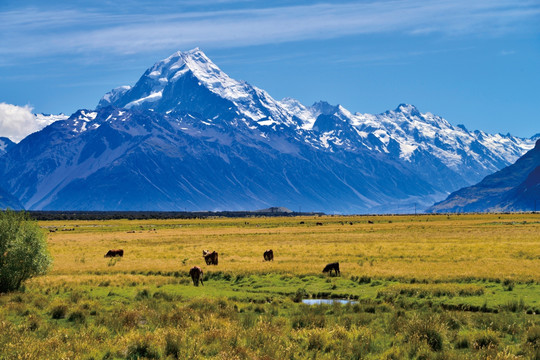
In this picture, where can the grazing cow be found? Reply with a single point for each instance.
(332, 266)
(370, 222)
(268, 255)
(211, 258)
(318, 224)
(115, 253)
(196, 274)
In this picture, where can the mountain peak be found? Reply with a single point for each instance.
(189, 58)
(190, 81)
(179, 63)
(323, 107)
(407, 109)
(165, 74)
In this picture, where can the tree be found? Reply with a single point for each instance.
(23, 250)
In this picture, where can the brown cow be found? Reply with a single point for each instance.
(318, 224)
(268, 255)
(115, 253)
(211, 258)
(332, 266)
(196, 274)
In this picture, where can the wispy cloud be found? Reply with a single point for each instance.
(37, 32)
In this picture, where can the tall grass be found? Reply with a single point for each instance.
(425, 287)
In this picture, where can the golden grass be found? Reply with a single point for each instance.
(428, 247)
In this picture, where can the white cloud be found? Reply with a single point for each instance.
(17, 122)
(43, 32)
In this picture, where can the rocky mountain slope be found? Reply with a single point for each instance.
(187, 136)
(5, 145)
(514, 188)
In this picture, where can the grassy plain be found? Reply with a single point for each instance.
(430, 286)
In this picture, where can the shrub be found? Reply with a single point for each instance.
(59, 311)
(514, 305)
(77, 317)
(428, 330)
(23, 250)
(463, 342)
(533, 337)
(142, 347)
(172, 346)
(485, 339)
(300, 294)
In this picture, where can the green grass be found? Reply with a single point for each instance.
(427, 287)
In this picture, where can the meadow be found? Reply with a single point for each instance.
(421, 287)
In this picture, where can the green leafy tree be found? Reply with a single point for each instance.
(23, 250)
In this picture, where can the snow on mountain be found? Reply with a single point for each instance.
(187, 136)
(168, 86)
(113, 95)
(400, 132)
(514, 188)
(475, 154)
(47, 119)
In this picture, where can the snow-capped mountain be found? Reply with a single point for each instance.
(190, 81)
(187, 136)
(514, 188)
(47, 119)
(186, 82)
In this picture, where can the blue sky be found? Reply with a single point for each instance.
(473, 62)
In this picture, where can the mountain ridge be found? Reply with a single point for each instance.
(513, 188)
(183, 138)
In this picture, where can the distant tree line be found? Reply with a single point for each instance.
(143, 215)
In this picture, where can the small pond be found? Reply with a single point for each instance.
(328, 301)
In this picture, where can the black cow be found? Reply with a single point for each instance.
(332, 266)
(196, 274)
(268, 255)
(115, 253)
(211, 258)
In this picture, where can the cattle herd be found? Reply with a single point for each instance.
(211, 258)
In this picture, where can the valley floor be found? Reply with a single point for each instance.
(421, 287)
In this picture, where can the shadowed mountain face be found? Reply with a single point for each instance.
(188, 137)
(5, 145)
(514, 188)
(8, 201)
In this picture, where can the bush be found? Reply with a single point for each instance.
(428, 330)
(23, 250)
(142, 348)
(77, 317)
(485, 339)
(533, 337)
(59, 311)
